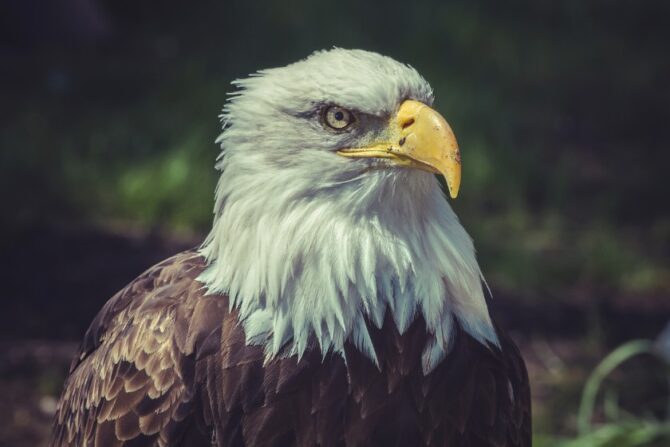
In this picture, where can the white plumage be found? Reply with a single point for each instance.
(308, 243)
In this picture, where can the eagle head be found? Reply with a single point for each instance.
(328, 212)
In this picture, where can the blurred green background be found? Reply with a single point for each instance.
(109, 111)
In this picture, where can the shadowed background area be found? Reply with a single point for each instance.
(107, 127)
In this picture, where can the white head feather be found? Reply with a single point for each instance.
(308, 244)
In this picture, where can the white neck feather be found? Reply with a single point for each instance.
(303, 267)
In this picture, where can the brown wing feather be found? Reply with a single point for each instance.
(133, 380)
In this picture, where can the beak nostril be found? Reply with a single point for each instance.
(407, 123)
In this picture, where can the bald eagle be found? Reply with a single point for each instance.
(337, 300)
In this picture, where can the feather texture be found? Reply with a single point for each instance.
(165, 364)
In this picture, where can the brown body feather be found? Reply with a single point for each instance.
(164, 364)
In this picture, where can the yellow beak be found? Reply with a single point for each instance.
(420, 138)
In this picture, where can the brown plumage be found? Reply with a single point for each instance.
(164, 364)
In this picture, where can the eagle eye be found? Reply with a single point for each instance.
(337, 117)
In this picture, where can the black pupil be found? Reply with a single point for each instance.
(339, 116)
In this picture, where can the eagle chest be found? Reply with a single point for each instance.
(172, 367)
(332, 401)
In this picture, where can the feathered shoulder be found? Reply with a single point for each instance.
(133, 378)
